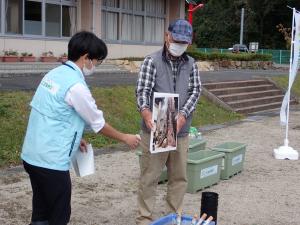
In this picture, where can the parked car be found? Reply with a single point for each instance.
(239, 48)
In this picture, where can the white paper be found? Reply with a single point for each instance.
(164, 116)
(75, 166)
(83, 162)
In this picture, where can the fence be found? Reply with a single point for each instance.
(278, 56)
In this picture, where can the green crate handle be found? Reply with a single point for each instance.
(216, 156)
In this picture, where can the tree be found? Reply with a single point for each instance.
(217, 25)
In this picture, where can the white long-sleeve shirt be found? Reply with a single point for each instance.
(80, 98)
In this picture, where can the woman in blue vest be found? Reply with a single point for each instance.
(60, 109)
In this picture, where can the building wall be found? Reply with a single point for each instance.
(86, 15)
(90, 10)
(97, 17)
(35, 46)
(176, 9)
(121, 51)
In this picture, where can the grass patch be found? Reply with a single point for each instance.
(208, 113)
(117, 103)
(283, 81)
(14, 111)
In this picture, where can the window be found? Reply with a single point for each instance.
(13, 16)
(33, 18)
(53, 20)
(111, 3)
(150, 6)
(138, 5)
(126, 27)
(138, 25)
(68, 21)
(49, 18)
(154, 29)
(127, 4)
(110, 24)
(0, 16)
(140, 20)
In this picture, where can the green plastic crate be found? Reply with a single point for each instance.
(164, 175)
(234, 158)
(203, 169)
(196, 144)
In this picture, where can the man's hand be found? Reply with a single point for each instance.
(147, 117)
(83, 145)
(132, 140)
(180, 122)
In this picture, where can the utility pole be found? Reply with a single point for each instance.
(242, 26)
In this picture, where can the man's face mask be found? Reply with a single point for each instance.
(88, 72)
(177, 49)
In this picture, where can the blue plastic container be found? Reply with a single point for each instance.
(171, 218)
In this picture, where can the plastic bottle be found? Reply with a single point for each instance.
(193, 132)
(194, 220)
(207, 222)
(178, 218)
(202, 218)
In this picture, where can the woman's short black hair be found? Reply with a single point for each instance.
(85, 42)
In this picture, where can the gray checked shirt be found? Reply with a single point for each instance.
(146, 82)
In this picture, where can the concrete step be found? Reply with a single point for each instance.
(254, 94)
(231, 90)
(255, 101)
(247, 96)
(260, 108)
(240, 83)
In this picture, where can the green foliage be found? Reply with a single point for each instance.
(208, 113)
(119, 108)
(10, 53)
(24, 54)
(133, 58)
(216, 56)
(217, 25)
(48, 54)
(14, 111)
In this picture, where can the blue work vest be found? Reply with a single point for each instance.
(54, 128)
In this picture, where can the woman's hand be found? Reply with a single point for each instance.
(83, 145)
(132, 140)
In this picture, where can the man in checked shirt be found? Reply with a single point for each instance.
(168, 70)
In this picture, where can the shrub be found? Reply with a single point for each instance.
(48, 54)
(132, 58)
(10, 53)
(26, 54)
(216, 56)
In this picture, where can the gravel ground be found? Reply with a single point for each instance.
(266, 192)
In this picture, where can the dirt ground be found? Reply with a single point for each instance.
(267, 192)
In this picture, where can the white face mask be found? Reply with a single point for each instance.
(177, 49)
(88, 72)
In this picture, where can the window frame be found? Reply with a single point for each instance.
(1, 19)
(23, 19)
(60, 22)
(120, 10)
(61, 3)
